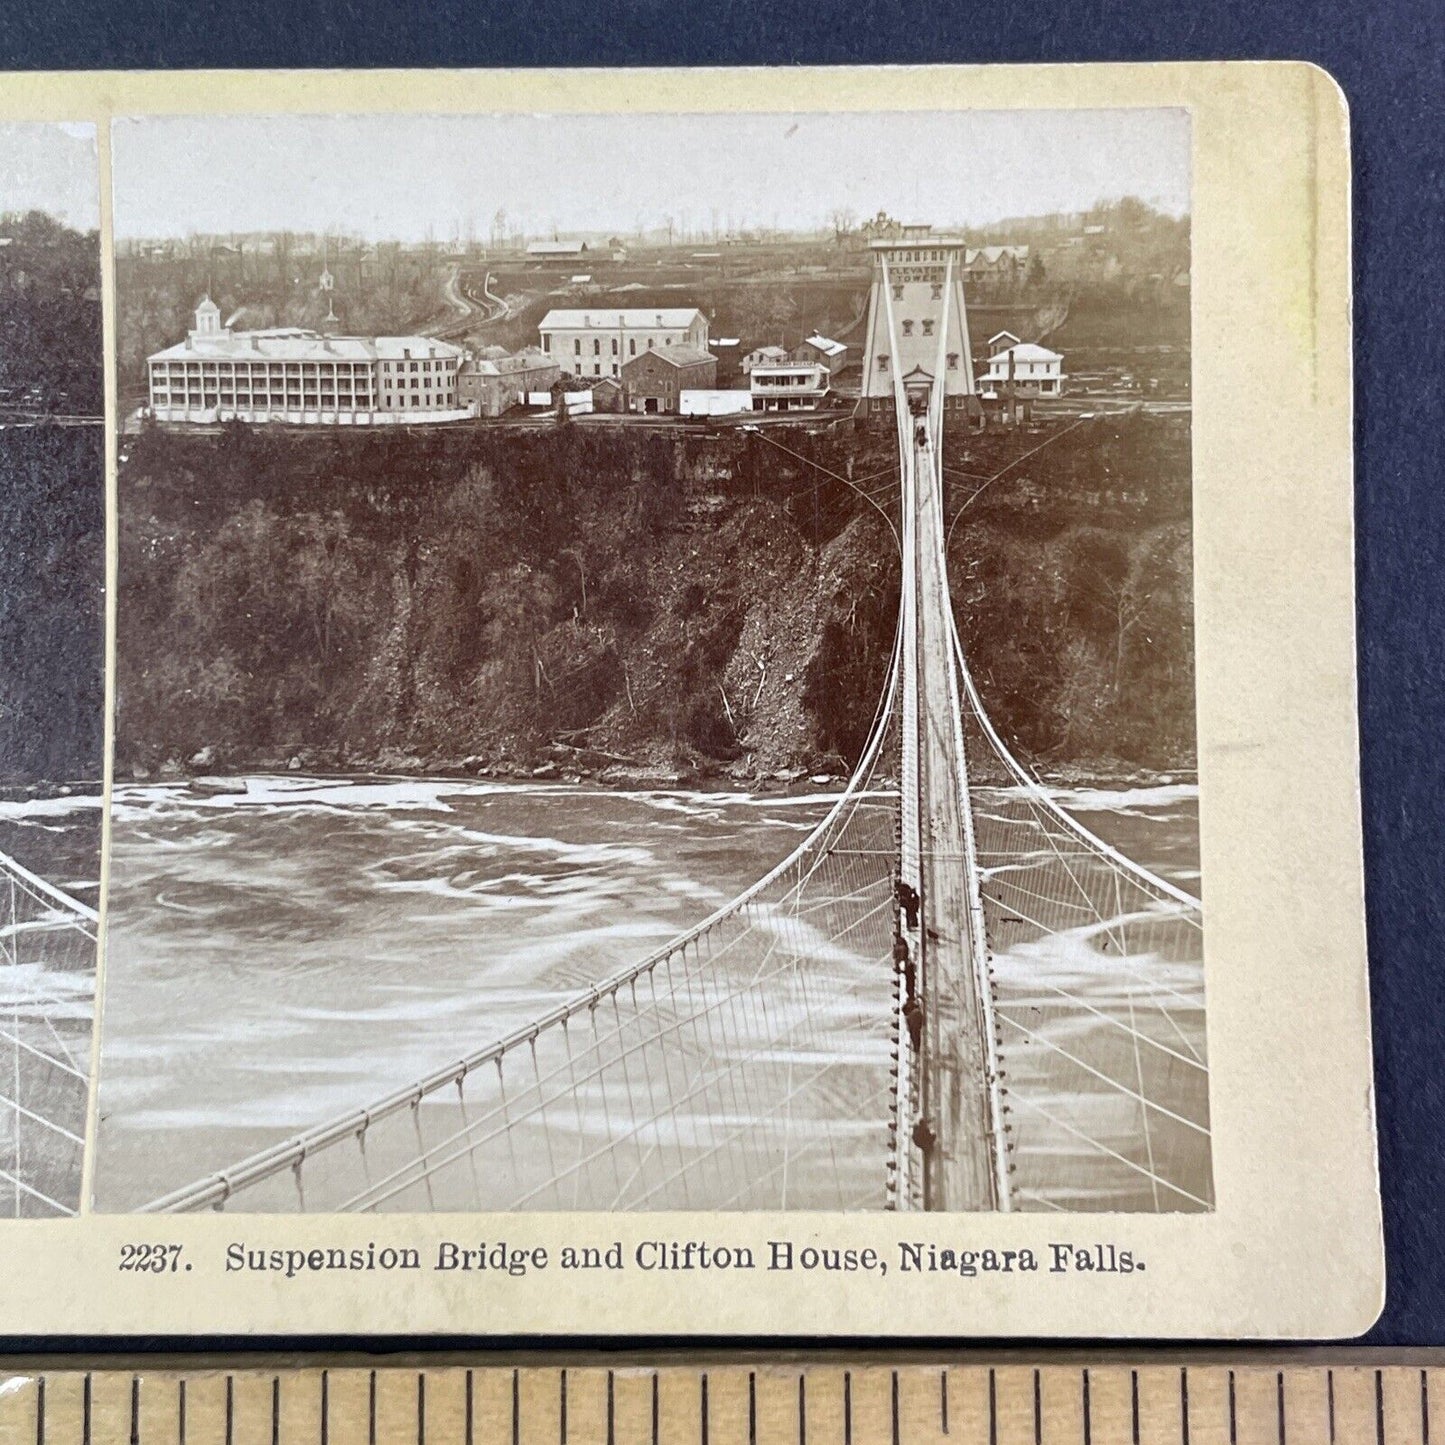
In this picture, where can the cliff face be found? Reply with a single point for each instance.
(677, 601)
(52, 585)
(52, 506)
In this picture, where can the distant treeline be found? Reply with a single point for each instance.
(690, 600)
(377, 291)
(50, 330)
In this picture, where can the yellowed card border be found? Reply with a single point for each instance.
(1293, 1249)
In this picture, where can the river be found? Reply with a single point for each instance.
(282, 949)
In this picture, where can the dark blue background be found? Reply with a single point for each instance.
(1389, 57)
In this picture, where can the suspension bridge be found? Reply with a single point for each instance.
(47, 986)
(951, 996)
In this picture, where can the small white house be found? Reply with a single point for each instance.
(765, 356)
(1025, 363)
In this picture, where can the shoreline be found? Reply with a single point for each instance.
(622, 778)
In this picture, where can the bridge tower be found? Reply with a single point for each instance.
(925, 291)
(918, 365)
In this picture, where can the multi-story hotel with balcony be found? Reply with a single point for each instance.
(288, 374)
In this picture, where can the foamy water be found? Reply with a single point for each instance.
(284, 949)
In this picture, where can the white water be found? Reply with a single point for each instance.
(293, 947)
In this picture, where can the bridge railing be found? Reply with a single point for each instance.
(745, 1064)
(1097, 975)
(47, 982)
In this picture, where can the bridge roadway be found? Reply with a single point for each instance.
(959, 1163)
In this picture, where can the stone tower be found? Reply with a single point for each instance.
(919, 276)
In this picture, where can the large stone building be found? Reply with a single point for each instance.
(493, 385)
(917, 322)
(290, 374)
(596, 342)
(654, 380)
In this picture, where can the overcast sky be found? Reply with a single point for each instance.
(404, 176)
(51, 166)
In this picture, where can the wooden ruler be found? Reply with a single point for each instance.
(1326, 1398)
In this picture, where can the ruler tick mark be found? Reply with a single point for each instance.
(943, 1400)
(847, 1408)
(703, 1407)
(1134, 1405)
(802, 1410)
(1379, 1407)
(656, 1422)
(992, 1407)
(894, 1402)
(275, 1410)
(230, 1409)
(562, 1408)
(1088, 1423)
(1184, 1405)
(40, 1411)
(1038, 1408)
(85, 1410)
(468, 1417)
(1279, 1402)
(1424, 1407)
(1330, 1399)
(181, 1414)
(135, 1410)
(517, 1407)
(420, 1408)
(1233, 1419)
(325, 1408)
(371, 1410)
(611, 1411)
(752, 1409)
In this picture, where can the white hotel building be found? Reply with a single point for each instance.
(287, 374)
(595, 343)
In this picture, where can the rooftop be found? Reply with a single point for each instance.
(826, 345)
(1026, 351)
(637, 318)
(294, 343)
(675, 355)
(913, 243)
(509, 365)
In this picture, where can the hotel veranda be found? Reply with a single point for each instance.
(287, 374)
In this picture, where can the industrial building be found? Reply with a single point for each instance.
(918, 283)
(290, 374)
(654, 380)
(556, 250)
(592, 343)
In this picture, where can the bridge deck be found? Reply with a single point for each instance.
(959, 1166)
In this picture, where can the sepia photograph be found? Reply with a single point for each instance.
(52, 655)
(654, 667)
